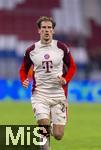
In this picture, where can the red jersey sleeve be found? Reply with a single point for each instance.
(69, 70)
(70, 67)
(26, 64)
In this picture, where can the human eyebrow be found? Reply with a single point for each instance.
(45, 27)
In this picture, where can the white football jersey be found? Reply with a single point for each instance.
(48, 63)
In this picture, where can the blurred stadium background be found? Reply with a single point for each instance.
(79, 26)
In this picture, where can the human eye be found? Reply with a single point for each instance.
(49, 27)
(43, 27)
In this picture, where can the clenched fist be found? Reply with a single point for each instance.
(26, 83)
(62, 80)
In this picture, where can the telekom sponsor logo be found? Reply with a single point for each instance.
(47, 65)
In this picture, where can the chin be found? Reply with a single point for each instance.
(47, 40)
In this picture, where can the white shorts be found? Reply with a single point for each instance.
(52, 109)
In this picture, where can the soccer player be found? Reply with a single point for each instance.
(53, 68)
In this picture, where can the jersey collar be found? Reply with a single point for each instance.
(45, 45)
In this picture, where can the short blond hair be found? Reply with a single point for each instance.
(45, 18)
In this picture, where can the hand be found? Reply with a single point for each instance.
(62, 80)
(25, 83)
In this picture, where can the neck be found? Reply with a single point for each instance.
(46, 41)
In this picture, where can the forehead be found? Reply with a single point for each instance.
(46, 23)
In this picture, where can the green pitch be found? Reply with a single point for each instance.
(82, 133)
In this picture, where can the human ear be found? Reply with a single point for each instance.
(53, 31)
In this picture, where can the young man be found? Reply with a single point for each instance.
(53, 69)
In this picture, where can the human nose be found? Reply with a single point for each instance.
(47, 30)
